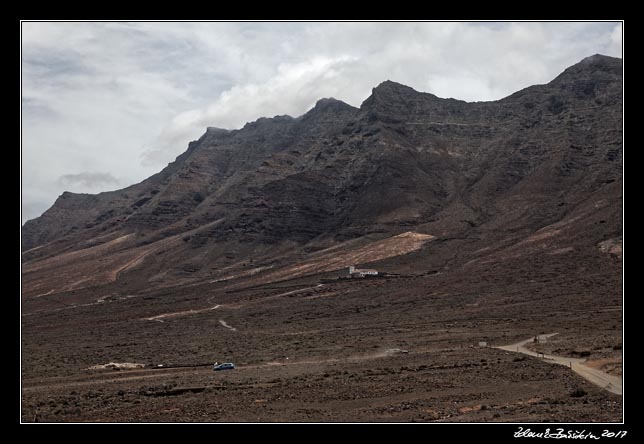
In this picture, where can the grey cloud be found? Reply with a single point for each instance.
(43, 62)
(34, 109)
(88, 180)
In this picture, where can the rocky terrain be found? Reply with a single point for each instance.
(491, 221)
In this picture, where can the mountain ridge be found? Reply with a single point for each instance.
(403, 160)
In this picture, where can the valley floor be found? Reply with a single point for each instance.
(320, 349)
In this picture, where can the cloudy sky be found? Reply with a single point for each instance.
(105, 105)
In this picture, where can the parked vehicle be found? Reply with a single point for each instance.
(224, 366)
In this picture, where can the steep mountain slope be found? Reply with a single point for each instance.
(543, 163)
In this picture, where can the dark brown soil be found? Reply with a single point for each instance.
(326, 353)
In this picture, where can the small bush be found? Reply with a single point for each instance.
(578, 393)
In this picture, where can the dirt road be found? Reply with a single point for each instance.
(134, 373)
(608, 382)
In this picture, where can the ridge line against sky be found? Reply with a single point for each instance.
(108, 104)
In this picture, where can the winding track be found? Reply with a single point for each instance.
(608, 382)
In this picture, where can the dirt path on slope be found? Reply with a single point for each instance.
(222, 322)
(608, 382)
(177, 314)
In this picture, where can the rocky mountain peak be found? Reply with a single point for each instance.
(389, 92)
(389, 86)
(339, 172)
(329, 105)
(597, 66)
(329, 102)
(600, 60)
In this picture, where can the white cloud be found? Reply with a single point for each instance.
(126, 98)
(616, 41)
(294, 89)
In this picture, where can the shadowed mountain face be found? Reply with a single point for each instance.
(540, 165)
